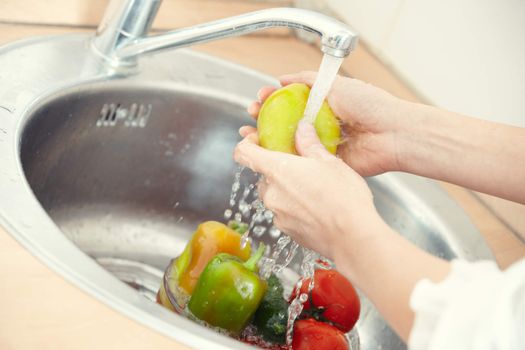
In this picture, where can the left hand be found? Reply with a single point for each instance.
(316, 198)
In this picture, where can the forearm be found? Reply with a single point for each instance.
(481, 155)
(386, 267)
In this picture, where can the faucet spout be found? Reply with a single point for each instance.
(336, 38)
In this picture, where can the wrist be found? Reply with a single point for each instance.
(403, 119)
(358, 242)
(417, 127)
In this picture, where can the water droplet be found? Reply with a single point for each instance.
(245, 208)
(274, 232)
(236, 186)
(303, 298)
(245, 239)
(268, 215)
(258, 231)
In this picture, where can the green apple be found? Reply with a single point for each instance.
(282, 111)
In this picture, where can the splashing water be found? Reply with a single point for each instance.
(245, 206)
(236, 186)
(294, 310)
(257, 218)
(308, 266)
(325, 78)
(270, 264)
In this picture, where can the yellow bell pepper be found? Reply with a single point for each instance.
(210, 239)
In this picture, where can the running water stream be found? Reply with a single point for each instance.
(325, 78)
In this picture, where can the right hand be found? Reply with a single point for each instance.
(316, 198)
(371, 119)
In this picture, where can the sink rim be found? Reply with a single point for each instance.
(35, 230)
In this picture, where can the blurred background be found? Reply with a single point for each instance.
(467, 56)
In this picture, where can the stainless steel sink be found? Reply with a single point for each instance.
(105, 175)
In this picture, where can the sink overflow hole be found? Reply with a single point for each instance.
(134, 115)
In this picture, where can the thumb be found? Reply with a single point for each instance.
(307, 142)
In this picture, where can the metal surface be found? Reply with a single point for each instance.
(122, 35)
(104, 177)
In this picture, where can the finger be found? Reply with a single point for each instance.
(250, 154)
(265, 92)
(262, 95)
(306, 77)
(254, 109)
(307, 142)
(247, 130)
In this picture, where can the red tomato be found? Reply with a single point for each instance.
(333, 299)
(310, 334)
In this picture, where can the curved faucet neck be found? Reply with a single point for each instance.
(122, 35)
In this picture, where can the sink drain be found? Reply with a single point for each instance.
(144, 278)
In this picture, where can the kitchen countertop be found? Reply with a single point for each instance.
(42, 310)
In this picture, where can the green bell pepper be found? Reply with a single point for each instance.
(228, 291)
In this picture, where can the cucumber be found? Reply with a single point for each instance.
(271, 317)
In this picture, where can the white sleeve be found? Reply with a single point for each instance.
(477, 307)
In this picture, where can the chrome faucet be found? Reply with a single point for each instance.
(123, 34)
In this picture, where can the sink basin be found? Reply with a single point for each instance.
(106, 174)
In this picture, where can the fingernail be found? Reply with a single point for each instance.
(241, 131)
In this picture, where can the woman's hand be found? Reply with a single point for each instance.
(372, 121)
(317, 199)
